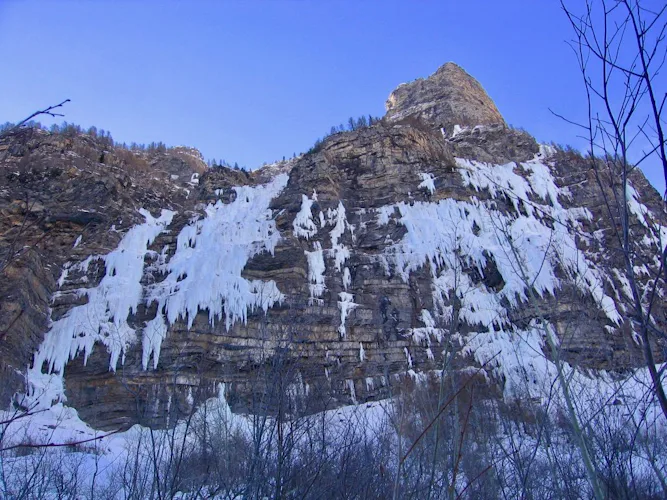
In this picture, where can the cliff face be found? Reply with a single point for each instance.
(63, 199)
(143, 282)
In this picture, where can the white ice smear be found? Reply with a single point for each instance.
(635, 206)
(656, 233)
(345, 305)
(303, 224)
(103, 318)
(316, 269)
(452, 235)
(203, 274)
(428, 182)
(350, 387)
(423, 335)
(347, 278)
(211, 253)
(337, 218)
(525, 247)
(408, 357)
(100, 464)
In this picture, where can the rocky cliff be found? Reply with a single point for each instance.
(134, 284)
(449, 97)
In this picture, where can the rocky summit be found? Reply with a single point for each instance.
(450, 97)
(136, 283)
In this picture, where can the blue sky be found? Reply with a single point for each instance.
(254, 81)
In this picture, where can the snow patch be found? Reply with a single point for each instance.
(457, 130)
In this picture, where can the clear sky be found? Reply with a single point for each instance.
(253, 81)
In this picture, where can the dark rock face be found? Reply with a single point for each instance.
(448, 97)
(494, 144)
(360, 307)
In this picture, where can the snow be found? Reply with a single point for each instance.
(448, 237)
(78, 241)
(100, 461)
(154, 333)
(68, 267)
(103, 318)
(427, 319)
(625, 284)
(526, 245)
(517, 358)
(347, 278)
(496, 179)
(456, 221)
(656, 234)
(635, 206)
(457, 130)
(304, 226)
(428, 182)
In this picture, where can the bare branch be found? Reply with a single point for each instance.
(58, 445)
(47, 111)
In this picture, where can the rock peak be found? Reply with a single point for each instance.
(448, 97)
